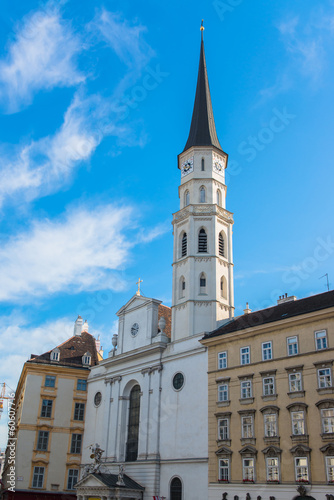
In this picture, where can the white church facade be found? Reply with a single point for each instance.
(147, 403)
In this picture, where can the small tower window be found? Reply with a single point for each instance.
(218, 198)
(202, 165)
(223, 287)
(202, 283)
(186, 198)
(182, 287)
(202, 241)
(221, 245)
(202, 194)
(184, 245)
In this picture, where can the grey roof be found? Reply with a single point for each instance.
(202, 128)
(111, 480)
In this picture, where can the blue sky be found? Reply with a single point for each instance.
(96, 102)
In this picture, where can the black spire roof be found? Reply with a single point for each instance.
(202, 128)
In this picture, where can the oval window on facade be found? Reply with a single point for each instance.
(97, 399)
(178, 381)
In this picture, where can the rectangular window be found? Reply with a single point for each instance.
(81, 385)
(50, 381)
(76, 443)
(224, 469)
(320, 340)
(270, 425)
(327, 417)
(295, 382)
(298, 423)
(223, 392)
(246, 389)
(324, 378)
(73, 476)
(247, 426)
(79, 411)
(272, 469)
(292, 344)
(222, 360)
(38, 477)
(301, 469)
(46, 408)
(330, 469)
(42, 440)
(268, 386)
(267, 351)
(245, 355)
(223, 429)
(248, 470)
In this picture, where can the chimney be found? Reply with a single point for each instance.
(78, 326)
(85, 327)
(98, 346)
(247, 310)
(284, 298)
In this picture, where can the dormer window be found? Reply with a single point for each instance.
(55, 354)
(86, 359)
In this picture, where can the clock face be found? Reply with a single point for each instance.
(187, 166)
(219, 164)
(134, 329)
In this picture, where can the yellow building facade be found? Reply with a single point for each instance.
(271, 402)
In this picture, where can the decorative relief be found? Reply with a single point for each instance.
(179, 264)
(203, 259)
(202, 304)
(181, 306)
(204, 218)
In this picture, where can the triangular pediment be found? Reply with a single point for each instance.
(136, 302)
(90, 481)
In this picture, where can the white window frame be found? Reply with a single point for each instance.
(329, 469)
(327, 421)
(270, 469)
(223, 425)
(270, 425)
(38, 477)
(247, 468)
(297, 421)
(71, 477)
(222, 391)
(224, 465)
(42, 440)
(300, 467)
(76, 443)
(293, 382)
(247, 426)
(222, 360)
(245, 356)
(293, 343)
(55, 355)
(246, 389)
(267, 350)
(50, 381)
(325, 378)
(321, 341)
(267, 385)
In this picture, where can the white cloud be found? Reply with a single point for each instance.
(42, 56)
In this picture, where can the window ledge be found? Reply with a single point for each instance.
(246, 401)
(327, 436)
(221, 442)
(223, 403)
(326, 390)
(302, 438)
(296, 394)
(269, 397)
(272, 439)
(247, 441)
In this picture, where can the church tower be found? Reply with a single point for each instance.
(203, 261)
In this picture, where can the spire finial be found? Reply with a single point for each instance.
(202, 28)
(138, 283)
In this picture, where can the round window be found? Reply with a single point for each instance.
(178, 381)
(97, 399)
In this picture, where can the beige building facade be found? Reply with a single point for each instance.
(271, 401)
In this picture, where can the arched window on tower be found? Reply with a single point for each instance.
(186, 198)
(184, 245)
(176, 489)
(223, 287)
(221, 243)
(202, 165)
(133, 425)
(202, 284)
(182, 287)
(202, 194)
(202, 241)
(218, 197)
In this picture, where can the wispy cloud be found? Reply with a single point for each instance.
(42, 56)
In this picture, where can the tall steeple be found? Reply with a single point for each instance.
(203, 257)
(202, 128)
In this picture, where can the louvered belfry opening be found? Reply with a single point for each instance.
(184, 245)
(133, 425)
(221, 245)
(202, 241)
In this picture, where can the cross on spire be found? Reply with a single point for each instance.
(138, 283)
